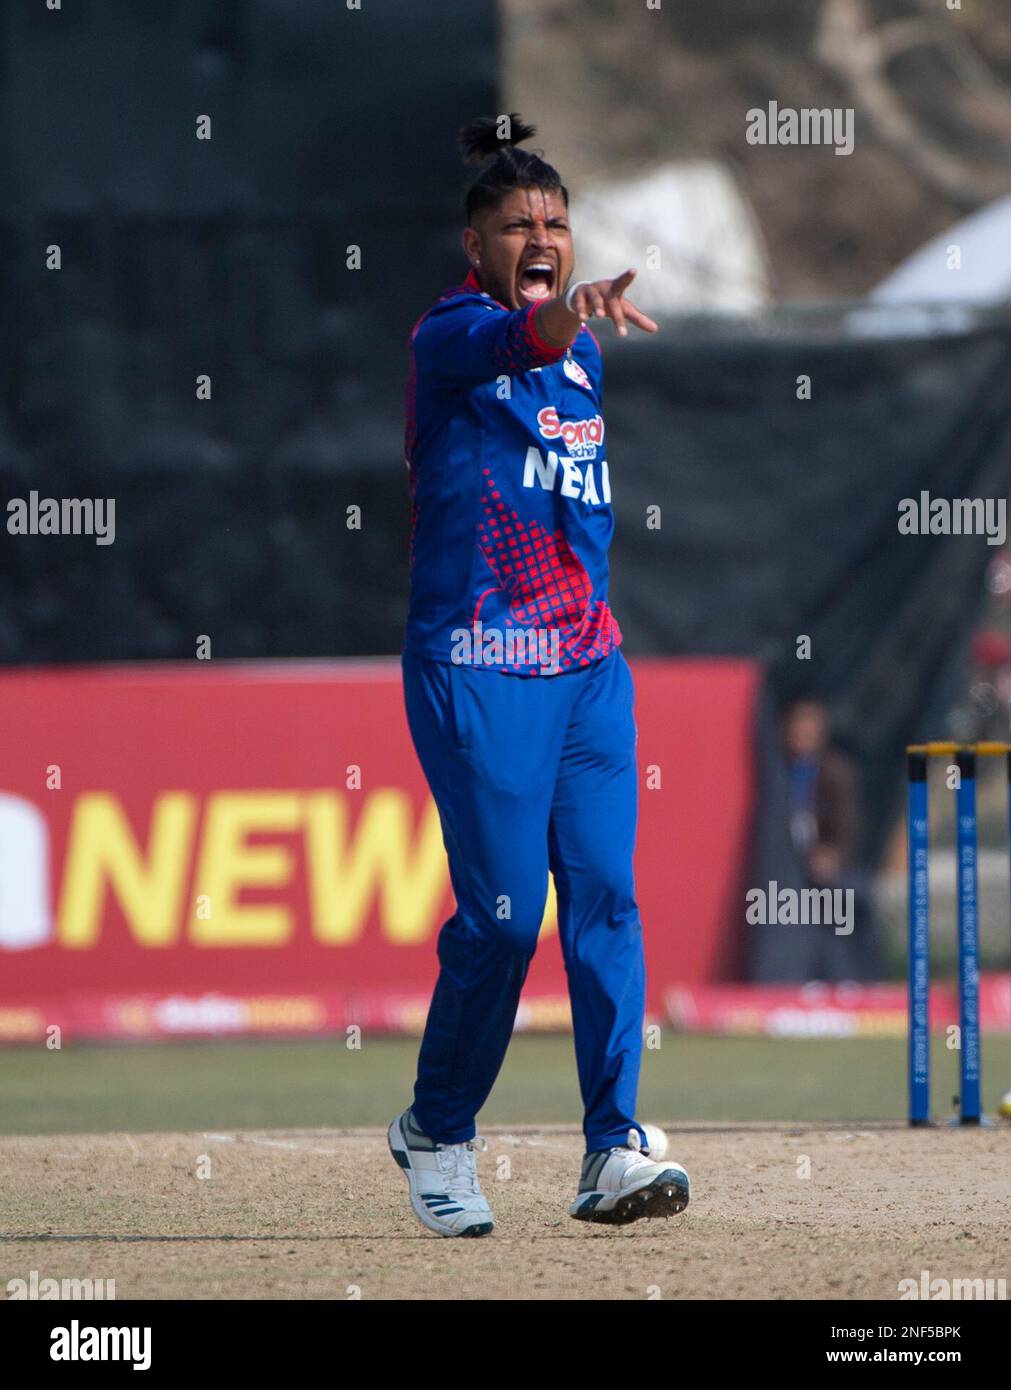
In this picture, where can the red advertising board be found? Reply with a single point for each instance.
(821, 1010)
(252, 848)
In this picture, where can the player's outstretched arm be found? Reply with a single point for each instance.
(559, 324)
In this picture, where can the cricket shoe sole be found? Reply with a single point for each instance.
(665, 1195)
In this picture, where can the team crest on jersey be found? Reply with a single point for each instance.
(575, 373)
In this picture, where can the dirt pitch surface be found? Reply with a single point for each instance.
(324, 1213)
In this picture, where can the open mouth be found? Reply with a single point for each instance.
(537, 281)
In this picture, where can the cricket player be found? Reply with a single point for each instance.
(519, 700)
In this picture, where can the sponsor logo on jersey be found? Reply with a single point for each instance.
(582, 438)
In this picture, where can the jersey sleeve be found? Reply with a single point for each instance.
(467, 340)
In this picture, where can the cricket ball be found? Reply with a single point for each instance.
(657, 1141)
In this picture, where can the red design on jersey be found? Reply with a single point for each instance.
(545, 580)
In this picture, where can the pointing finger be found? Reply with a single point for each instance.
(640, 319)
(614, 305)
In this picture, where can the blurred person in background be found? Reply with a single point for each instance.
(823, 794)
(824, 816)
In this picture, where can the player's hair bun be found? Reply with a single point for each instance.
(503, 166)
(480, 139)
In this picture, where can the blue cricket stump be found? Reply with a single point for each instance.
(919, 941)
(968, 937)
(967, 856)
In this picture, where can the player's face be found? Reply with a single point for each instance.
(524, 247)
(806, 732)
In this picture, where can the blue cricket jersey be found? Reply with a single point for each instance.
(510, 494)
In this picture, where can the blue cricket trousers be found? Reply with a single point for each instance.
(531, 772)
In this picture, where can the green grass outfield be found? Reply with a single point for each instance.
(294, 1085)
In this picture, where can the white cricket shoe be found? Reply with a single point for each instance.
(442, 1180)
(621, 1184)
